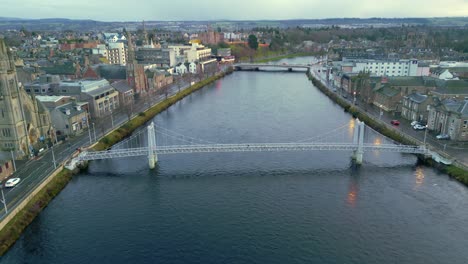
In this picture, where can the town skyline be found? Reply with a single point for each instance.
(243, 10)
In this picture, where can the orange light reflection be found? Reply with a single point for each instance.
(419, 173)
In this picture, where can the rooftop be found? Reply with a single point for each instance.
(52, 98)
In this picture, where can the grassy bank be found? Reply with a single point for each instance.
(288, 56)
(453, 171)
(12, 231)
(126, 129)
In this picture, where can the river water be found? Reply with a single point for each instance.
(292, 207)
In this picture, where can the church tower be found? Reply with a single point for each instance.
(23, 120)
(13, 128)
(136, 77)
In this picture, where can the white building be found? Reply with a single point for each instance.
(193, 68)
(387, 67)
(197, 53)
(181, 69)
(114, 52)
(113, 37)
(443, 74)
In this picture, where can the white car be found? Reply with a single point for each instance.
(12, 182)
(419, 127)
(414, 123)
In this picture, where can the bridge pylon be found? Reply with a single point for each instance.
(152, 155)
(358, 139)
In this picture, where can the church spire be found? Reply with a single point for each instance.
(145, 35)
(131, 50)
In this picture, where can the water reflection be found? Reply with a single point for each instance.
(353, 189)
(351, 125)
(419, 173)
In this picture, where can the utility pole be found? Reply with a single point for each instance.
(13, 159)
(425, 135)
(53, 157)
(4, 201)
(94, 131)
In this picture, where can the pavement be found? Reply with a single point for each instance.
(456, 150)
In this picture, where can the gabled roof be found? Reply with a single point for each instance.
(463, 109)
(122, 86)
(452, 87)
(90, 74)
(406, 81)
(417, 97)
(387, 90)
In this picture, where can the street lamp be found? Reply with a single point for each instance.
(425, 135)
(94, 132)
(110, 109)
(13, 159)
(4, 201)
(53, 157)
(354, 98)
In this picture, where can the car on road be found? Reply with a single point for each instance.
(414, 123)
(419, 127)
(12, 182)
(443, 137)
(395, 122)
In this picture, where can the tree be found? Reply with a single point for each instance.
(253, 42)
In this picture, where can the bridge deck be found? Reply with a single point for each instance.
(267, 147)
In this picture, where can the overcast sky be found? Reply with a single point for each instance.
(135, 10)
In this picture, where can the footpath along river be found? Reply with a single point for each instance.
(291, 207)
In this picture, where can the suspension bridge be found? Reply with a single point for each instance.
(260, 66)
(151, 142)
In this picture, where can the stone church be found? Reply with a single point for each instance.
(24, 122)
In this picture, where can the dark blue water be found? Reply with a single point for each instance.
(293, 207)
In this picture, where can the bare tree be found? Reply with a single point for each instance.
(128, 109)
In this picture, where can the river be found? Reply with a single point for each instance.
(291, 207)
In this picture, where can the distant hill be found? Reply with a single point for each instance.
(53, 24)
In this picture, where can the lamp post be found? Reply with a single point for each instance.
(13, 159)
(89, 129)
(53, 157)
(110, 109)
(425, 135)
(94, 132)
(4, 201)
(354, 98)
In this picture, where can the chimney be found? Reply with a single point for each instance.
(384, 79)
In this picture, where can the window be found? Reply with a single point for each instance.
(6, 132)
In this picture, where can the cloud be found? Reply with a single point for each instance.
(111, 10)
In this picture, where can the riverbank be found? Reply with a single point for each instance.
(38, 201)
(454, 171)
(40, 198)
(130, 126)
(287, 56)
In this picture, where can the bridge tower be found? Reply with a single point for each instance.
(358, 139)
(152, 155)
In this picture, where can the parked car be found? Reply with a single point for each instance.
(414, 123)
(12, 182)
(443, 137)
(395, 122)
(419, 127)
